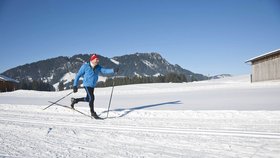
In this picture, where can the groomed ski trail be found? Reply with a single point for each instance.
(61, 132)
(167, 130)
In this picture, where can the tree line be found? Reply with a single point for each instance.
(170, 77)
(35, 85)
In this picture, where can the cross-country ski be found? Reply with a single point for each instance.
(68, 107)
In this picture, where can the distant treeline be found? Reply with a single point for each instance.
(170, 77)
(35, 85)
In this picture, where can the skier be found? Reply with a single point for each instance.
(90, 71)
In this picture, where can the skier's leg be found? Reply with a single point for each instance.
(90, 98)
(73, 101)
(76, 100)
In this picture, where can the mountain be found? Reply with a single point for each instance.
(220, 76)
(64, 69)
(150, 64)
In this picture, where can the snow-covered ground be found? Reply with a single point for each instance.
(228, 117)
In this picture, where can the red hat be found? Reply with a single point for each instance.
(94, 56)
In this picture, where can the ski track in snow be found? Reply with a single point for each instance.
(226, 118)
(60, 132)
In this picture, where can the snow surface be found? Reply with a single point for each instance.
(157, 74)
(263, 55)
(228, 117)
(67, 78)
(115, 61)
(5, 78)
(152, 66)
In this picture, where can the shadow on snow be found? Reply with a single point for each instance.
(129, 110)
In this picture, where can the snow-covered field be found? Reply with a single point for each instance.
(227, 117)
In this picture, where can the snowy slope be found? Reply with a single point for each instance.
(227, 117)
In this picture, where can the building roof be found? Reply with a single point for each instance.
(264, 55)
(5, 78)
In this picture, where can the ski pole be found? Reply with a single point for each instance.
(111, 97)
(57, 100)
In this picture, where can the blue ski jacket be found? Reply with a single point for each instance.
(90, 74)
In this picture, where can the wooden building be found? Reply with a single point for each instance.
(266, 67)
(7, 84)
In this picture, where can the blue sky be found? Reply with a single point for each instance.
(205, 36)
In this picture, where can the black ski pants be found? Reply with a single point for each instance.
(89, 98)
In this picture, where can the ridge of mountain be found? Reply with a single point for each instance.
(55, 70)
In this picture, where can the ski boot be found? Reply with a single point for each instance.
(94, 115)
(73, 101)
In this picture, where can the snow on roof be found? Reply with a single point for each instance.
(264, 55)
(5, 78)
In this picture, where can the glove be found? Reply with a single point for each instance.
(116, 70)
(75, 89)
